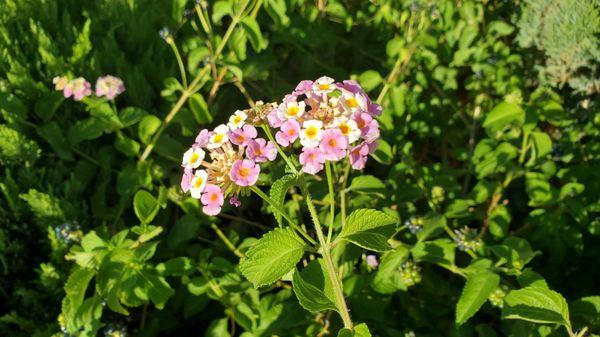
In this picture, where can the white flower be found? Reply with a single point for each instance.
(193, 157)
(354, 102)
(310, 135)
(324, 85)
(348, 128)
(291, 110)
(198, 183)
(237, 120)
(219, 137)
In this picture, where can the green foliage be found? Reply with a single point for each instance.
(482, 194)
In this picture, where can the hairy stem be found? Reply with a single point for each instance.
(283, 213)
(331, 201)
(226, 241)
(281, 153)
(326, 253)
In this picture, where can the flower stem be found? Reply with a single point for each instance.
(283, 213)
(331, 201)
(281, 153)
(226, 241)
(326, 253)
(173, 46)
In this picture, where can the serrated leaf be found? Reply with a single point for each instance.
(272, 256)
(359, 330)
(145, 206)
(278, 192)
(504, 115)
(536, 304)
(478, 288)
(369, 228)
(313, 287)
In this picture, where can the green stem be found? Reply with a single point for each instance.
(226, 241)
(326, 253)
(331, 201)
(283, 213)
(279, 150)
(173, 46)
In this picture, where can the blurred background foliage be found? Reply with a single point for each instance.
(490, 121)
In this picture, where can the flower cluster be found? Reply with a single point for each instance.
(330, 121)
(78, 88)
(223, 161)
(410, 273)
(467, 239)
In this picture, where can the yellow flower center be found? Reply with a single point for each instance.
(352, 102)
(324, 86)
(218, 138)
(198, 182)
(194, 158)
(311, 132)
(293, 110)
(345, 129)
(291, 132)
(332, 142)
(213, 197)
(244, 172)
(237, 119)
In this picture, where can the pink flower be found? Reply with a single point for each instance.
(244, 172)
(288, 133)
(374, 109)
(235, 201)
(333, 144)
(372, 261)
(78, 88)
(260, 151)
(362, 119)
(312, 160)
(303, 87)
(359, 155)
(242, 136)
(60, 82)
(212, 199)
(371, 132)
(202, 138)
(186, 179)
(273, 118)
(351, 86)
(109, 86)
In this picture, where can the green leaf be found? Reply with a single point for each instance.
(586, 309)
(313, 287)
(46, 106)
(75, 289)
(542, 145)
(53, 134)
(459, 208)
(369, 228)
(253, 32)
(199, 108)
(359, 330)
(44, 206)
(503, 115)
(176, 267)
(537, 305)
(131, 115)
(16, 147)
(478, 288)
(272, 256)
(159, 290)
(147, 127)
(383, 153)
(278, 192)
(370, 79)
(387, 279)
(440, 251)
(126, 145)
(368, 184)
(146, 206)
(86, 129)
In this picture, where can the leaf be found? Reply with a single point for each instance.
(383, 153)
(75, 288)
(199, 108)
(478, 288)
(369, 228)
(313, 287)
(504, 115)
(368, 184)
(126, 145)
(16, 147)
(587, 309)
(176, 267)
(44, 206)
(272, 256)
(147, 127)
(86, 129)
(46, 106)
(53, 134)
(131, 115)
(387, 278)
(537, 305)
(359, 330)
(159, 291)
(145, 206)
(440, 251)
(370, 79)
(459, 208)
(278, 192)
(253, 32)
(542, 144)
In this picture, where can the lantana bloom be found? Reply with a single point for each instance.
(78, 88)
(261, 151)
(109, 86)
(289, 132)
(244, 172)
(212, 200)
(237, 120)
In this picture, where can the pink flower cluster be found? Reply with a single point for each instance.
(330, 121)
(223, 161)
(78, 88)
